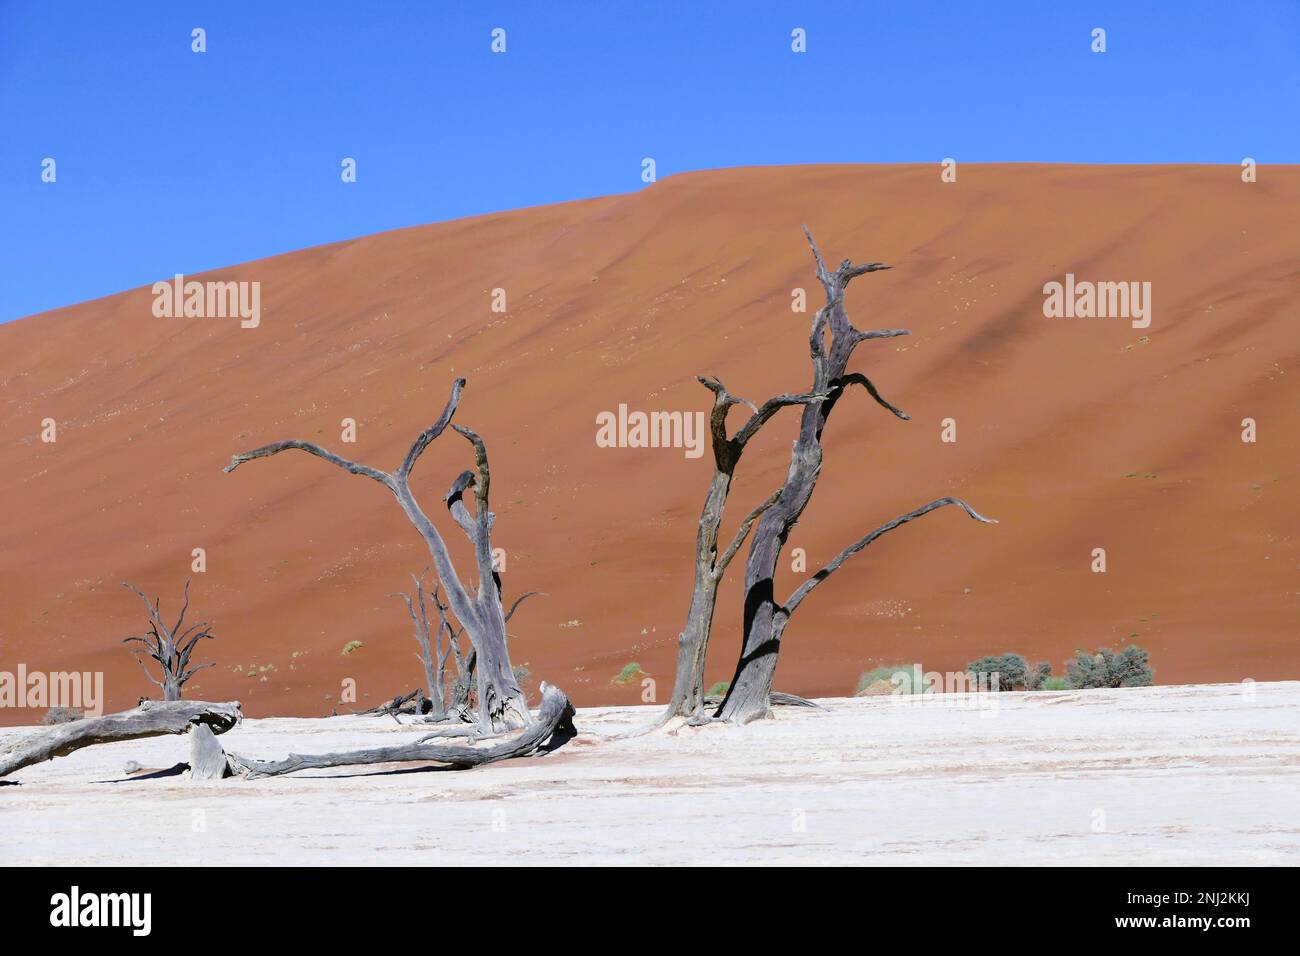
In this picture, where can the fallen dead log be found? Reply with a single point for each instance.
(779, 699)
(552, 725)
(151, 719)
(401, 704)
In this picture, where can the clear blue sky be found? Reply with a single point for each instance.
(171, 161)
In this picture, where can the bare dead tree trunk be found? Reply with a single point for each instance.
(499, 696)
(552, 727)
(431, 654)
(151, 719)
(171, 647)
(710, 566)
(501, 701)
(831, 345)
(462, 691)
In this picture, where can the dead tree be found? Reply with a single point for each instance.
(501, 702)
(552, 727)
(432, 655)
(171, 647)
(831, 345)
(151, 719)
(710, 566)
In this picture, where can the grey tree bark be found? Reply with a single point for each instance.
(171, 647)
(831, 345)
(501, 701)
(432, 656)
(710, 565)
(462, 688)
(207, 759)
(151, 719)
(552, 727)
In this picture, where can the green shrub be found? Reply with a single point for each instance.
(719, 689)
(907, 682)
(1128, 668)
(1014, 672)
(351, 646)
(1055, 683)
(629, 673)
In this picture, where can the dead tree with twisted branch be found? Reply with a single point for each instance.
(171, 647)
(831, 345)
(501, 702)
(710, 566)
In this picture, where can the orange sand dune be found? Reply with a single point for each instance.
(1075, 433)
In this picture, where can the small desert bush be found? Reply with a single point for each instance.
(1014, 672)
(62, 715)
(629, 673)
(906, 684)
(1129, 668)
(719, 689)
(1055, 683)
(351, 646)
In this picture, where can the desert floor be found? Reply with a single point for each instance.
(1166, 775)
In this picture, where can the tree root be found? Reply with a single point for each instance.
(552, 727)
(152, 718)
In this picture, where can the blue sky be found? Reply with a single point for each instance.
(172, 161)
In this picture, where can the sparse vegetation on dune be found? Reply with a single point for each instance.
(890, 679)
(629, 673)
(1013, 671)
(1106, 668)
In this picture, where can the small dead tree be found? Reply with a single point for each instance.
(501, 701)
(171, 647)
(831, 345)
(432, 654)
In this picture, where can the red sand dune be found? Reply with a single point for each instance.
(1074, 433)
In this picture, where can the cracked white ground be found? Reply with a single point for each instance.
(1186, 775)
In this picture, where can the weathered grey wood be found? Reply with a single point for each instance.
(552, 725)
(397, 705)
(432, 657)
(710, 566)
(207, 758)
(831, 344)
(171, 646)
(780, 699)
(459, 709)
(795, 599)
(501, 700)
(150, 719)
(777, 699)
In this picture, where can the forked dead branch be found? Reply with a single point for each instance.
(438, 642)
(501, 701)
(832, 342)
